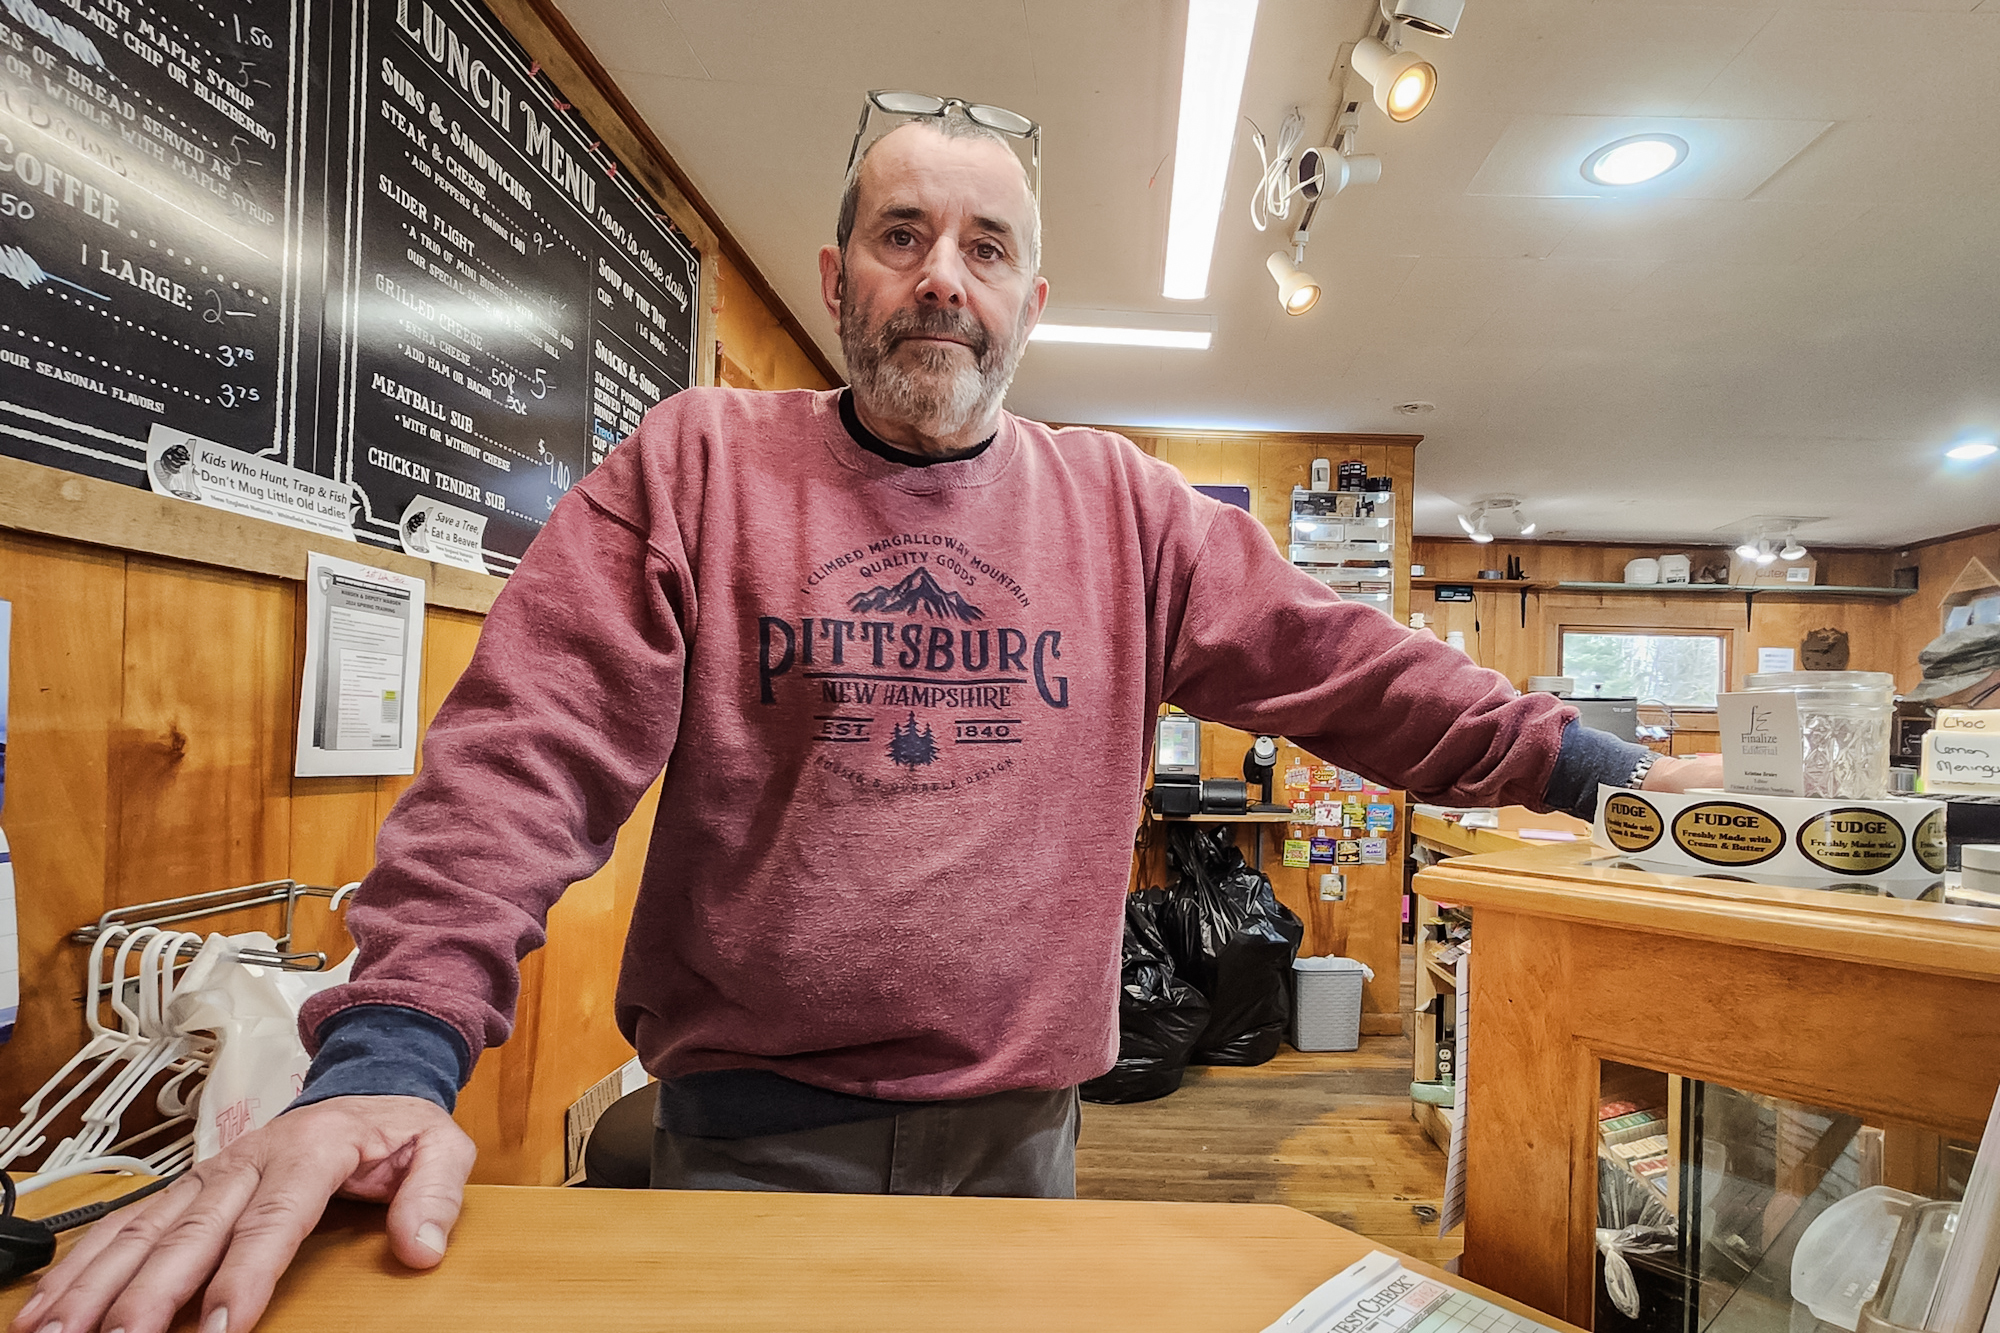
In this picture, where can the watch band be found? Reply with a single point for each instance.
(1640, 769)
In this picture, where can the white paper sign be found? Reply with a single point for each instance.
(364, 656)
(1775, 659)
(1763, 750)
(206, 473)
(1962, 761)
(434, 530)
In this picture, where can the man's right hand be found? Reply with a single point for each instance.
(242, 1214)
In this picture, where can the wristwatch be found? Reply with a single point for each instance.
(1640, 769)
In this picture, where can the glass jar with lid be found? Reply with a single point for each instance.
(1844, 717)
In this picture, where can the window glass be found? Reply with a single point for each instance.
(1683, 670)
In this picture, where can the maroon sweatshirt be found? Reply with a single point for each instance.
(904, 716)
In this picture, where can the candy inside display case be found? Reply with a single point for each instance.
(1727, 1211)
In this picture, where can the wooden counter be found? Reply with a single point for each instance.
(1454, 839)
(606, 1260)
(1873, 1006)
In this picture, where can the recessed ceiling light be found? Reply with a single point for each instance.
(1195, 340)
(1635, 160)
(1965, 453)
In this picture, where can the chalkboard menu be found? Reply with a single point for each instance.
(368, 241)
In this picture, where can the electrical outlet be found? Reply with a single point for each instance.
(1333, 887)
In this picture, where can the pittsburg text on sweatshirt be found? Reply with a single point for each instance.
(904, 715)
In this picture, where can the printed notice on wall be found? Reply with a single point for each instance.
(190, 468)
(364, 648)
(1763, 750)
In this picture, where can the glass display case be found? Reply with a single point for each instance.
(1722, 1210)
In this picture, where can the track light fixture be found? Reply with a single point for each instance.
(1477, 523)
(1764, 551)
(1403, 81)
(1298, 291)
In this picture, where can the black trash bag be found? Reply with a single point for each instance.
(1159, 1015)
(1232, 939)
(1633, 1224)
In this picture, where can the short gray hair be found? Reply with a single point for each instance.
(953, 124)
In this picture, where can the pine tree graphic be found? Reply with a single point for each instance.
(911, 748)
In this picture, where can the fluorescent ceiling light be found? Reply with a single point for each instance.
(1965, 453)
(1218, 54)
(1196, 340)
(1635, 160)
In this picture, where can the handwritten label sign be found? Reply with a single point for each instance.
(1962, 761)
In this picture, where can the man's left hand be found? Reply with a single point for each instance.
(1684, 774)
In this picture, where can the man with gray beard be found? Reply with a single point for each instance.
(860, 637)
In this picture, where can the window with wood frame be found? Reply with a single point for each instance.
(1682, 668)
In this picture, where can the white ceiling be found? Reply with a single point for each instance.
(1798, 321)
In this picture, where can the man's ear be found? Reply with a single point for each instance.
(832, 279)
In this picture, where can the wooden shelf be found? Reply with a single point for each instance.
(1743, 589)
(1669, 589)
(1510, 585)
(1257, 817)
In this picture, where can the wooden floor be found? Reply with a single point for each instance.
(1328, 1134)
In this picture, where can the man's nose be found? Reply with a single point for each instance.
(943, 279)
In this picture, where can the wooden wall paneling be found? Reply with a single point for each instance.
(1497, 638)
(68, 634)
(1521, 1151)
(758, 350)
(201, 766)
(1916, 619)
(54, 503)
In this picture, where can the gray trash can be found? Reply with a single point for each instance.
(1326, 1003)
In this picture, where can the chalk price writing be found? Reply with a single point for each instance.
(251, 36)
(12, 206)
(236, 395)
(235, 356)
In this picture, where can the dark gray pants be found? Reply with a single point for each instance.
(1009, 1144)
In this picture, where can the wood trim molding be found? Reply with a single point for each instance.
(562, 50)
(1882, 932)
(1332, 438)
(49, 502)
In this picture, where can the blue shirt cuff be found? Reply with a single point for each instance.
(386, 1050)
(1587, 758)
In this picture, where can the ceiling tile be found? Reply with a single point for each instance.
(954, 48)
(1725, 231)
(639, 36)
(1853, 64)
(1543, 156)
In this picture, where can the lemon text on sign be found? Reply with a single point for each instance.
(1632, 824)
(1851, 841)
(1723, 833)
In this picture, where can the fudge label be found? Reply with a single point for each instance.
(1929, 842)
(1851, 841)
(1723, 833)
(1632, 824)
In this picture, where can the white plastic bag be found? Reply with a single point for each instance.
(260, 1064)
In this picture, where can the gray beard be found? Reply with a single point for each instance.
(932, 390)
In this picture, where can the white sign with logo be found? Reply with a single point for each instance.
(1763, 748)
(188, 467)
(434, 530)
